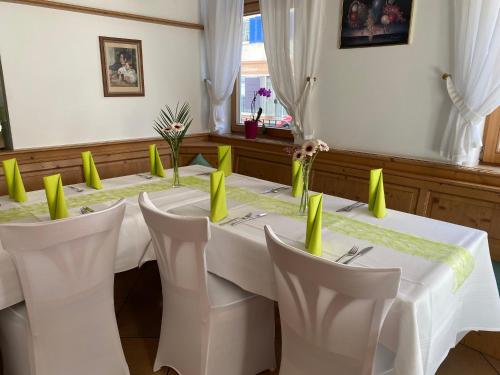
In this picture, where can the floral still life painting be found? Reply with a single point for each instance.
(369, 23)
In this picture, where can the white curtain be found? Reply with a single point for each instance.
(292, 38)
(223, 20)
(474, 85)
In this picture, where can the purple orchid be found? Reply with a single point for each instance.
(264, 92)
(261, 92)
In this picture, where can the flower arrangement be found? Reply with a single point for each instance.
(173, 125)
(305, 155)
(252, 125)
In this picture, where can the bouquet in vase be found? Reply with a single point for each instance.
(173, 125)
(305, 155)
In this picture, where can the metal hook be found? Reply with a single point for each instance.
(445, 76)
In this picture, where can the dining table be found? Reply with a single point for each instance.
(447, 287)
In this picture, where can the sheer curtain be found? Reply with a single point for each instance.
(474, 85)
(292, 36)
(223, 21)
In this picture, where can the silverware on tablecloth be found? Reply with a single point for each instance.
(76, 188)
(249, 219)
(86, 210)
(362, 252)
(352, 251)
(351, 207)
(146, 176)
(275, 190)
(236, 218)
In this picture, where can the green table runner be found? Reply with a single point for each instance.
(456, 257)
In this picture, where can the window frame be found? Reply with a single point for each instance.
(252, 7)
(491, 141)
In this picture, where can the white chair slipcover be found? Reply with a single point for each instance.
(67, 324)
(331, 314)
(209, 325)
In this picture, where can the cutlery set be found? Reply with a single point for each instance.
(247, 217)
(354, 253)
(76, 188)
(146, 176)
(351, 207)
(276, 189)
(86, 210)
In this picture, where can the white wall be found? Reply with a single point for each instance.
(388, 100)
(52, 72)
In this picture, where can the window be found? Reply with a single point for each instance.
(254, 74)
(5, 138)
(491, 151)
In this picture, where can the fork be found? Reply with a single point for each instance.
(86, 210)
(353, 251)
(76, 188)
(276, 190)
(146, 176)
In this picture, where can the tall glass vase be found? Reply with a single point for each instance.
(304, 200)
(175, 166)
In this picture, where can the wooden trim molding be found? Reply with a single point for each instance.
(107, 13)
(116, 158)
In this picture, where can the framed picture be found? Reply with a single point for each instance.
(371, 23)
(121, 65)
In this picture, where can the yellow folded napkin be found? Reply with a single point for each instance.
(55, 196)
(155, 162)
(297, 182)
(13, 180)
(90, 171)
(314, 224)
(376, 196)
(218, 207)
(225, 164)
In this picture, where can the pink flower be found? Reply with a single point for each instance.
(323, 146)
(299, 155)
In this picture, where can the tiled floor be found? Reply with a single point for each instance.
(138, 305)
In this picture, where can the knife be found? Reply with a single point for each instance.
(361, 252)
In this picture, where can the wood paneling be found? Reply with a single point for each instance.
(112, 159)
(106, 12)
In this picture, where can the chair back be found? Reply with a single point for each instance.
(66, 271)
(331, 314)
(179, 243)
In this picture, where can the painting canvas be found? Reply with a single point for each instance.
(121, 64)
(368, 23)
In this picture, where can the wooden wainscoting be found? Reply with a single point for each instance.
(465, 196)
(112, 159)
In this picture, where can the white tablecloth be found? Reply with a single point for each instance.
(427, 319)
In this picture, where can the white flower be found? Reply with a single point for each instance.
(310, 147)
(178, 127)
(299, 155)
(323, 146)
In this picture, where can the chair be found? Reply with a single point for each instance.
(67, 324)
(331, 314)
(209, 325)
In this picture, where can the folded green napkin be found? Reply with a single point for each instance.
(90, 171)
(376, 196)
(55, 196)
(155, 162)
(14, 181)
(200, 160)
(225, 164)
(314, 223)
(218, 208)
(297, 182)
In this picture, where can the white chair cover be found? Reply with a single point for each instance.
(66, 270)
(209, 325)
(331, 314)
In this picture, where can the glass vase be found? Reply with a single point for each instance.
(304, 199)
(175, 165)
